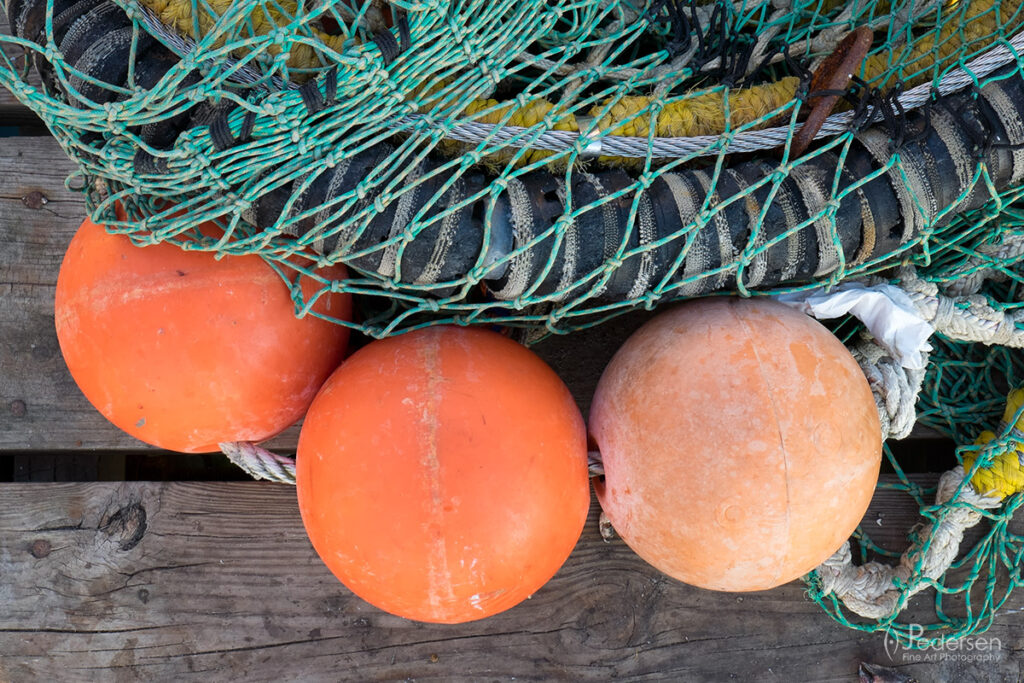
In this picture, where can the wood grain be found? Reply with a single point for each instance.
(37, 218)
(187, 581)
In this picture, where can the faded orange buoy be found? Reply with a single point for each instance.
(185, 351)
(442, 474)
(740, 441)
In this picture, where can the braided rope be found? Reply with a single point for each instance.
(876, 590)
(259, 463)
(895, 388)
(969, 318)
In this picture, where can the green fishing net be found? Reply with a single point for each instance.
(523, 162)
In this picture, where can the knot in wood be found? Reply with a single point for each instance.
(126, 526)
(40, 548)
(35, 200)
(18, 408)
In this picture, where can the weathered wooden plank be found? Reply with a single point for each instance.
(40, 406)
(37, 218)
(143, 581)
(12, 112)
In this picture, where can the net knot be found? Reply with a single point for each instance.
(113, 110)
(281, 36)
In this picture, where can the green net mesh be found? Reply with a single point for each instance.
(550, 164)
(532, 163)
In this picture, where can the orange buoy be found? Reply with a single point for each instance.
(740, 440)
(184, 351)
(442, 474)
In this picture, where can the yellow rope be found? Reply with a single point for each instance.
(265, 18)
(705, 114)
(691, 116)
(697, 115)
(979, 21)
(1005, 476)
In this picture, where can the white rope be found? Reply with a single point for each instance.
(894, 387)
(969, 277)
(259, 463)
(870, 590)
(597, 143)
(969, 318)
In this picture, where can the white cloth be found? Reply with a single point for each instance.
(886, 310)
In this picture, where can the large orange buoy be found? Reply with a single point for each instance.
(740, 441)
(442, 474)
(184, 351)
